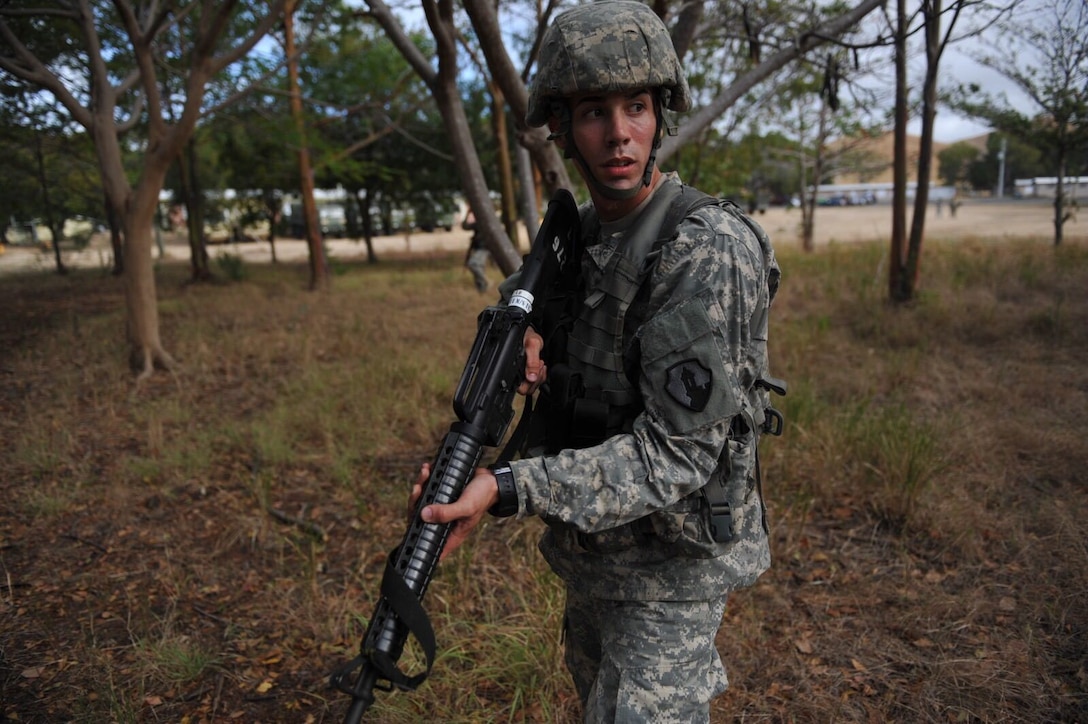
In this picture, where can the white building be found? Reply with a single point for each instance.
(1044, 187)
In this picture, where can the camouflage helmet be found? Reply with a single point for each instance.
(606, 46)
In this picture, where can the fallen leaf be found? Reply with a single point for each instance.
(265, 686)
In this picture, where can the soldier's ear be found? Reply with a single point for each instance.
(555, 129)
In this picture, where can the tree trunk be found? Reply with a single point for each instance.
(272, 204)
(362, 201)
(530, 214)
(808, 220)
(319, 267)
(448, 98)
(146, 350)
(113, 221)
(50, 218)
(897, 278)
(932, 18)
(485, 22)
(193, 198)
(506, 168)
(1059, 198)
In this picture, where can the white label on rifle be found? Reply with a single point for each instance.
(523, 300)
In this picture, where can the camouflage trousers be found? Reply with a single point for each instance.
(477, 264)
(644, 661)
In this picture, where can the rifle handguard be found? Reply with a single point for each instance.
(508, 492)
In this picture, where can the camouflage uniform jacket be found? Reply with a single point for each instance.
(626, 519)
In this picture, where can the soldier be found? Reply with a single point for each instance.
(653, 387)
(477, 256)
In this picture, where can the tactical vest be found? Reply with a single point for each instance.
(593, 369)
(593, 366)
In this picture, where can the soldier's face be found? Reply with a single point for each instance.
(615, 135)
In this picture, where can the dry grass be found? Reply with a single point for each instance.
(928, 500)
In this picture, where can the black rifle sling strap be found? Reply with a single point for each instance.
(409, 610)
(515, 445)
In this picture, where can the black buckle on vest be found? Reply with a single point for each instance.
(773, 423)
(721, 523)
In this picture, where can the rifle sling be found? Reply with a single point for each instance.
(409, 610)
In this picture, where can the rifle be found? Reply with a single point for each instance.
(483, 404)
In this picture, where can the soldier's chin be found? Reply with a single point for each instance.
(623, 186)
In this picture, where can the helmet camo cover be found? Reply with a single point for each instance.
(606, 47)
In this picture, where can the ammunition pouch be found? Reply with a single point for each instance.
(570, 419)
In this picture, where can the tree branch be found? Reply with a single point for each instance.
(392, 27)
(804, 43)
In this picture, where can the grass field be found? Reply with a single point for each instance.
(208, 547)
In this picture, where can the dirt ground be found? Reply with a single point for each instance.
(989, 218)
(127, 563)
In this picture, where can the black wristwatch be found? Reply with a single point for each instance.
(508, 492)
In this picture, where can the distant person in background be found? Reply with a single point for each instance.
(477, 257)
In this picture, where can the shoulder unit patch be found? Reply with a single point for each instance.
(689, 384)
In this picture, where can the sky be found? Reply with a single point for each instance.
(957, 67)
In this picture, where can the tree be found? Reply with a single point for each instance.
(955, 162)
(319, 268)
(905, 261)
(771, 57)
(48, 169)
(687, 25)
(251, 154)
(1044, 51)
(377, 129)
(107, 80)
(1022, 160)
(826, 113)
(443, 85)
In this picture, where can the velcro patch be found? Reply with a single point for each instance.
(689, 384)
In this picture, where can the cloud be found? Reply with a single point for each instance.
(959, 68)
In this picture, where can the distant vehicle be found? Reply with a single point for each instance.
(77, 229)
(332, 218)
(430, 219)
(837, 200)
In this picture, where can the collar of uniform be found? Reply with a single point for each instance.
(611, 233)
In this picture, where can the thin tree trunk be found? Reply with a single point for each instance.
(319, 268)
(1059, 199)
(362, 201)
(272, 208)
(50, 217)
(896, 264)
(116, 239)
(484, 18)
(529, 205)
(932, 17)
(199, 266)
(808, 224)
(506, 169)
(447, 96)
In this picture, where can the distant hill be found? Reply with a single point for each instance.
(879, 149)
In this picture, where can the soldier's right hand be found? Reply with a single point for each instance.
(535, 369)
